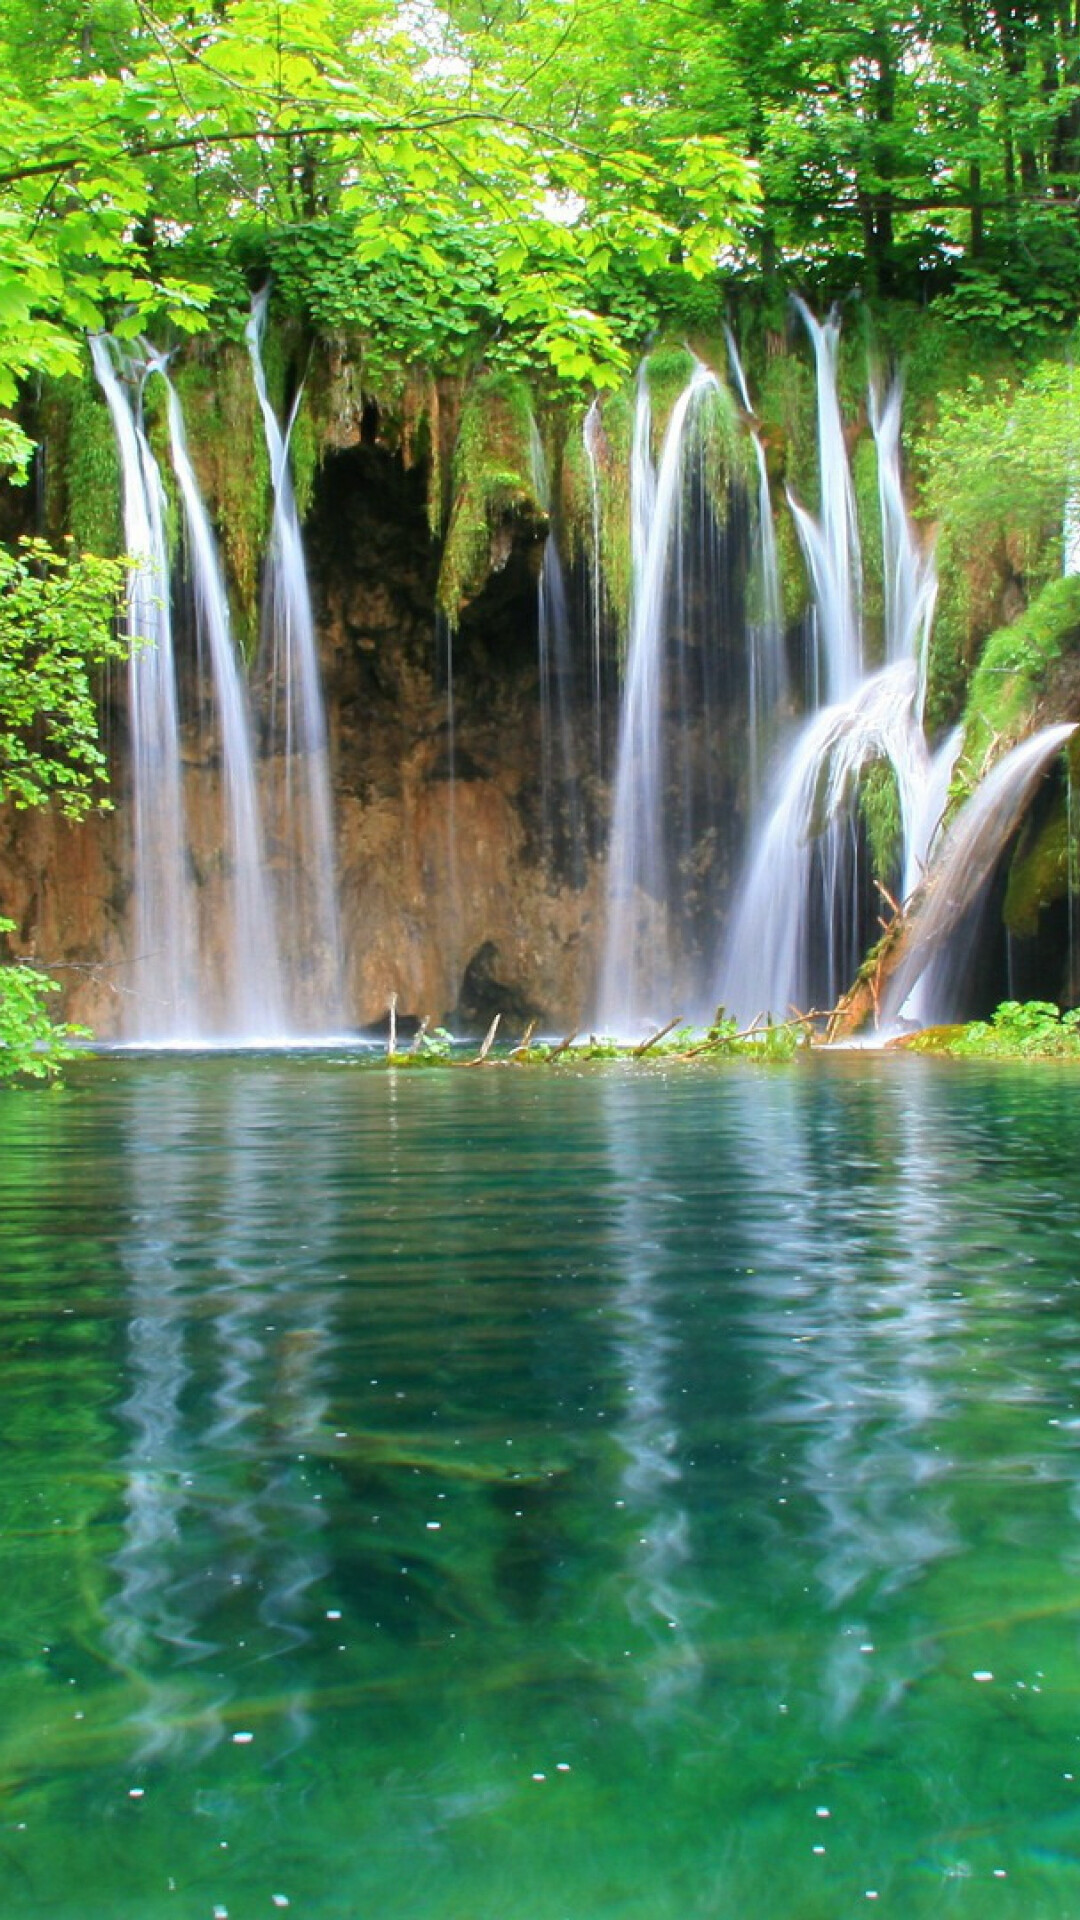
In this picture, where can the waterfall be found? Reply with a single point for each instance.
(909, 576)
(930, 811)
(163, 1004)
(832, 542)
(803, 904)
(640, 975)
(559, 807)
(795, 936)
(934, 958)
(251, 986)
(767, 673)
(302, 820)
(591, 436)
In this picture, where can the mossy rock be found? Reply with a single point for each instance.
(938, 1040)
(787, 409)
(864, 474)
(668, 370)
(1046, 864)
(82, 469)
(227, 445)
(879, 805)
(494, 486)
(1012, 675)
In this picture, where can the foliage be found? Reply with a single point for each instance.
(57, 623)
(424, 175)
(32, 1046)
(57, 618)
(1022, 1029)
(770, 1042)
(998, 468)
(1002, 454)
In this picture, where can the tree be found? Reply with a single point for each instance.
(57, 624)
(138, 156)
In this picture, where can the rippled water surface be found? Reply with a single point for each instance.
(529, 1494)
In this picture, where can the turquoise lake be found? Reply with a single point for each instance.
(540, 1493)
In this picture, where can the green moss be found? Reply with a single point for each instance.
(939, 1040)
(1039, 873)
(794, 583)
(864, 474)
(667, 374)
(305, 453)
(725, 449)
(91, 471)
(156, 424)
(1046, 864)
(576, 487)
(421, 439)
(1012, 673)
(228, 451)
(613, 463)
(787, 409)
(879, 804)
(493, 481)
(955, 632)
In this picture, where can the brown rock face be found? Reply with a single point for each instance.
(450, 897)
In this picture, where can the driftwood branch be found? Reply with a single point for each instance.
(391, 1044)
(418, 1040)
(636, 1052)
(706, 1046)
(489, 1040)
(521, 1050)
(563, 1046)
(888, 899)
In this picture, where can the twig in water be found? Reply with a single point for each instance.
(706, 1046)
(520, 1051)
(488, 1041)
(391, 1048)
(636, 1052)
(562, 1046)
(418, 1039)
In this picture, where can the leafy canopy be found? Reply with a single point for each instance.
(152, 155)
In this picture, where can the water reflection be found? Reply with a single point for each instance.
(229, 1346)
(659, 1593)
(393, 1419)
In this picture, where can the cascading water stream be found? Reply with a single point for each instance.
(801, 913)
(591, 436)
(560, 811)
(934, 961)
(767, 673)
(639, 973)
(796, 931)
(836, 562)
(163, 1004)
(302, 824)
(250, 991)
(909, 580)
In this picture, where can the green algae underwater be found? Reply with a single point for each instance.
(540, 1496)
